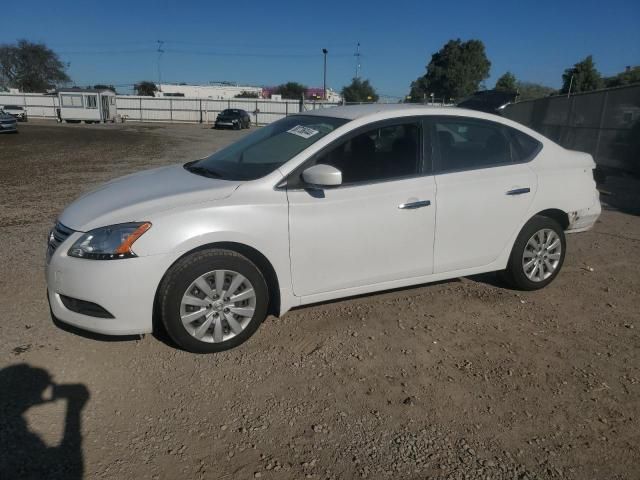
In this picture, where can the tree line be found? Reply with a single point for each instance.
(454, 72)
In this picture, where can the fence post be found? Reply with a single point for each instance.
(228, 103)
(200, 110)
(600, 126)
(171, 110)
(257, 113)
(140, 108)
(286, 109)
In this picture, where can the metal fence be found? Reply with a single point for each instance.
(604, 123)
(172, 109)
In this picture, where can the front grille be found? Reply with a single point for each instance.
(58, 234)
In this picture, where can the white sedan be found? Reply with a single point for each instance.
(314, 207)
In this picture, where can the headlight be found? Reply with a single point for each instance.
(109, 243)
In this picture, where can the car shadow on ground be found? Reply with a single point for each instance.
(91, 335)
(23, 454)
(621, 192)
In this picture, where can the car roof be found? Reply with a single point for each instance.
(352, 112)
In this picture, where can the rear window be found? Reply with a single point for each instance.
(525, 146)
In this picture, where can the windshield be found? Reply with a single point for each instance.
(230, 112)
(266, 149)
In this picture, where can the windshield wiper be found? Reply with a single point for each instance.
(199, 170)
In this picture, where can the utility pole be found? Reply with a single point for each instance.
(160, 52)
(324, 81)
(357, 55)
(570, 85)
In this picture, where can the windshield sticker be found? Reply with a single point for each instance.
(304, 132)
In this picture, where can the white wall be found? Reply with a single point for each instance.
(171, 109)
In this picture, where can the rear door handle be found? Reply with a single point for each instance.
(519, 191)
(414, 205)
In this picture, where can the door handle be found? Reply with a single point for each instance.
(519, 191)
(414, 205)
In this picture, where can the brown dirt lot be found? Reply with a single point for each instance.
(457, 380)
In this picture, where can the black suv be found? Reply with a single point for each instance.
(234, 118)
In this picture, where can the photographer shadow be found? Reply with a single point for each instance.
(23, 454)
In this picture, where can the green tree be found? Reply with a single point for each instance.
(145, 88)
(245, 94)
(455, 71)
(359, 91)
(31, 67)
(101, 86)
(582, 77)
(628, 77)
(291, 90)
(507, 83)
(530, 90)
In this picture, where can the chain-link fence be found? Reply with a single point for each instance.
(604, 123)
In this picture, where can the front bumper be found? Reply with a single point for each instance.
(8, 127)
(125, 288)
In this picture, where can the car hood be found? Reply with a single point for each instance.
(138, 196)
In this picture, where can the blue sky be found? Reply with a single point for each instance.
(266, 43)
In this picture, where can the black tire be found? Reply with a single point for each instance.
(237, 125)
(515, 275)
(187, 270)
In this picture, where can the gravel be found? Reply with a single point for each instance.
(462, 379)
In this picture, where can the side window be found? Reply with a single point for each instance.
(71, 100)
(382, 153)
(524, 146)
(92, 101)
(470, 144)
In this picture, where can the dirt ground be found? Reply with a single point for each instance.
(457, 380)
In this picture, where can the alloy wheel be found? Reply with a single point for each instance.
(542, 255)
(217, 306)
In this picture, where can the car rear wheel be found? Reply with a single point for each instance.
(213, 300)
(537, 255)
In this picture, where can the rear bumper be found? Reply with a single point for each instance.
(584, 219)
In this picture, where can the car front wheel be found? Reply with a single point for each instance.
(537, 255)
(213, 300)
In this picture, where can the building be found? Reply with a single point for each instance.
(228, 91)
(86, 104)
(312, 93)
(214, 91)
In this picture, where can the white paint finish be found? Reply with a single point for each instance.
(357, 235)
(133, 197)
(475, 216)
(353, 241)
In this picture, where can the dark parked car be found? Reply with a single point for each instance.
(234, 118)
(8, 123)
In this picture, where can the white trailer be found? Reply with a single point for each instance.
(88, 105)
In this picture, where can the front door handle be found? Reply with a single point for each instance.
(414, 205)
(519, 191)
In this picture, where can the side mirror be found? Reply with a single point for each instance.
(322, 175)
